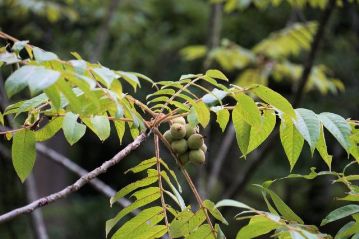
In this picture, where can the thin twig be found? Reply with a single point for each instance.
(158, 164)
(68, 164)
(78, 184)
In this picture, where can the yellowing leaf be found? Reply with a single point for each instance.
(248, 109)
(49, 130)
(292, 141)
(216, 74)
(275, 99)
(203, 114)
(223, 118)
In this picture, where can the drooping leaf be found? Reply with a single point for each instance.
(1, 119)
(36, 77)
(322, 149)
(258, 225)
(292, 141)
(282, 207)
(23, 152)
(259, 133)
(231, 203)
(248, 109)
(101, 126)
(308, 125)
(338, 127)
(340, 213)
(203, 114)
(41, 55)
(275, 99)
(120, 129)
(223, 118)
(49, 130)
(216, 74)
(214, 211)
(242, 129)
(73, 130)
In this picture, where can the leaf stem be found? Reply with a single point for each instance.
(158, 164)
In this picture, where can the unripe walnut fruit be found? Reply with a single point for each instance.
(197, 156)
(178, 131)
(168, 136)
(179, 146)
(184, 158)
(204, 148)
(195, 141)
(190, 130)
(179, 120)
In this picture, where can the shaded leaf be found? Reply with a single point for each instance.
(23, 153)
(275, 99)
(49, 130)
(73, 130)
(340, 213)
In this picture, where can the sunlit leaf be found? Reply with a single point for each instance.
(73, 130)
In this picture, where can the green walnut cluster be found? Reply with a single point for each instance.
(186, 142)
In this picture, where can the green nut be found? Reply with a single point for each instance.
(195, 141)
(178, 131)
(197, 156)
(179, 146)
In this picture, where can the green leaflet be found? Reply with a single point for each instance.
(292, 141)
(143, 225)
(259, 133)
(231, 203)
(120, 129)
(248, 109)
(70, 95)
(258, 225)
(1, 119)
(222, 118)
(308, 126)
(27, 105)
(275, 99)
(177, 196)
(203, 114)
(283, 208)
(340, 213)
(54, 95)
(214, 211)
(242, 128)
(203, 232)
(151, 178)
(131, 78)
(186, 222)
(322, 149)
(73, 131)
(216, 74)
(23, 152)
(338, 127)
(348, 230)
(145, 164)
(143, 197)
(49, 130)
(36, 77)
(101, 126)
(105, 75)
(41, 55)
